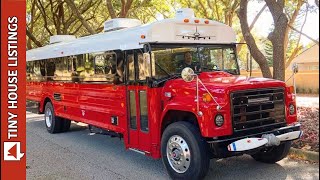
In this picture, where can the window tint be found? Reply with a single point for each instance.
(30, 70)
(144, 125)
(120, 68)
(85, 68)
(50, 69)
(93, 67)
(144, 67)
(133, 114)
(130, 58)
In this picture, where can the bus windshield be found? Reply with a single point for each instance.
(170, 60)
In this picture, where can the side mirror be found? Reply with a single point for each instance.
(187, 74)
(295, 68)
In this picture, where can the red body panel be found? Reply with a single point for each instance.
(95, 104)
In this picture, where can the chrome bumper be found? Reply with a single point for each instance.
(290, 133)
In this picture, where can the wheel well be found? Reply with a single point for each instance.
(175, 116)
(44, 103)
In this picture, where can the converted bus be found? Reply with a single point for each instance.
(171, 89)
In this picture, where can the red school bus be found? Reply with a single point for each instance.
(171, 89)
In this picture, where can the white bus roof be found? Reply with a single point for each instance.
(179, 30)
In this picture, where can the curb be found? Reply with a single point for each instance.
(304, 154)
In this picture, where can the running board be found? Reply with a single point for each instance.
(138, 151)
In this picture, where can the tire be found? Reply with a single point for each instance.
(52, 122)
(274, 154)
(193, 150)
(65, 125)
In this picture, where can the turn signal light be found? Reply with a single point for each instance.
(206, 97)
(206, 21)
(186, 20)
(143, 36)
(291, 89)
(196, 20)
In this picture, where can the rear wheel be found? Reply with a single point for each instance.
(53, 123)
(184, 152)
(273, 154)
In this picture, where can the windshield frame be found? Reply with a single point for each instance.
(194, 45)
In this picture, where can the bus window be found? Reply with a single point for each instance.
(144, 67)
(50, 69)
(58, 73)
(30, 70)
(144, 126)
(73, 65)
(43, 68)
(133, 110)
(104, 66)
(36, 75)
(66, 72)
(120, 68)
(131, 67)
(87, 71)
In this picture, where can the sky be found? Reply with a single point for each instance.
(262, 26)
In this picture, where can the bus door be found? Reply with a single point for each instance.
(137, 95)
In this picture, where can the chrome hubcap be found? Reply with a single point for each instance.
(178, 154)
(48, 117)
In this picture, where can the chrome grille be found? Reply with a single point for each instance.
(252, 109)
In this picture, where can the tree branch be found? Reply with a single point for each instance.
(33, 39)
(83, 21)
(111, 9)
(251, 26)
(255, 52)
(305, 35)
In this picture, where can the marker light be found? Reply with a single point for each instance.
(291, 89)
(196, 20)
(186, 20)
(143, 36)
(206, 97)
(206, 21)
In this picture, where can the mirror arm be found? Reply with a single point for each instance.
(250, 66)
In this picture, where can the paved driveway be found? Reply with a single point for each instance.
(308, 100)
(78, 155)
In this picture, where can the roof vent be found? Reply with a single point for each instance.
(120, 23)
(185, 13)
(61, 38)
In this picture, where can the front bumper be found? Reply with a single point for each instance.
(271, 139)
(247, 143)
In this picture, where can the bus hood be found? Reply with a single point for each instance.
(220, 84)
(223, 80)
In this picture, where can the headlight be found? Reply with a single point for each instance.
(219, 120)
(292, 109)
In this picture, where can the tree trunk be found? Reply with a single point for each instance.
(254, 50)
(277, 37)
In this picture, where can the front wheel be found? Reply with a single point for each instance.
(273, 154)
(184, 152)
